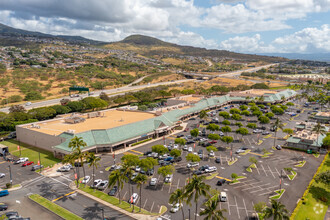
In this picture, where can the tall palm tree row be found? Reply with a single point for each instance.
(319, 129)
(116, 177)
(140, 180)
(77, 144)
(70, 159)
(93, 161)
(211, 209)
(276, 210)
(178, 196)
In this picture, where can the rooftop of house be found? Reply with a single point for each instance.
(257, 92)
(323, 114)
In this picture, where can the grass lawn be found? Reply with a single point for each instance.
(301, 163)
(312, 207)
(114, 201)
(293, 175)
(274, 148)
(212, 176)
(47, 157)
(65, 214)
(249, 169)
(316, 155)
(260, 142)
(279, 194)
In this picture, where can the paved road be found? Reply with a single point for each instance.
(238, 72)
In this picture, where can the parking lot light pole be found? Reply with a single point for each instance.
(189, 213)
(132, 199)
(281, 181)
(102, 210)
(11, 179)
(39, 164)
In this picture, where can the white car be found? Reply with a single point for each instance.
(153, 182)
(175, 146)
(86, 179)
(221, 133)
(176, 207)
(190, 149)
(63, 169)
(103, 185)
(210, 169)
(22, 160)
(133, 176)
(133, 198)
(137, 169)
(96, 183)
(2, 175)
(240, 151)
(211, 154)
(168, 178)
(192, 164)
(185, 148)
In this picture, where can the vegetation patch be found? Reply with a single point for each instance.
(140, 142)
(268, 136)
(260, 142)
(274, 148)
(245, 152)
(300, 163)
(64, 213)
(162, 210)
(211, 176)
(316, 155)
(267, 154)
(278, 195)
(292, 175)
(249, 169)
(114, 201)
(231, 162)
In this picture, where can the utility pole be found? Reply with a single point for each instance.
(231, 152)
(132, 199)
(281, 181)
(11, 178)
(102, 213)
(189, 213)
(39, 164)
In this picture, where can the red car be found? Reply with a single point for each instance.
(213, 142)
(27, 163)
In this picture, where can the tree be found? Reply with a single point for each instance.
(234, 176)
(277, 210)
(213, 127)
(194, 132)
(239, 124)
(259, 86)
(93, 161)
(175, 153)
(192, 157)
(180, 141)
(166, 170)
(116, 177)
(288, 131)
(226, 122)
(203, 114)
(245, 112)
(259, 207)
(146, 164)
(61, 109)
(227, 139)
(269, 115)
(76, 144)
(178, 196)
(242, 131)
(94, 103)
(70, 159)
(251, 125)
(263, 119)
(323, 177)
(225, 115)
(130, 160)
(234, 111)
(76, 106)
(16, 108)
(140, 179)
(42, 113)
(213, 136)
(211, 209)
(243, 107)
(211, 148)
(195, 189)
(326, 141)
(236, 117)
(318, 129)
(254, 108)
(226, 129)
(277, 125)
(33, 95)
(257, 113)
(277, 111)
(253, 160)
(160, 149)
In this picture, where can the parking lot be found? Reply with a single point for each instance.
(256, 187)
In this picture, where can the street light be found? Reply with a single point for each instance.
(11, 179)
(102, 210)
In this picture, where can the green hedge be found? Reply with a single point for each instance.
(140, 142)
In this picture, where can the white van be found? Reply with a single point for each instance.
(223, 196)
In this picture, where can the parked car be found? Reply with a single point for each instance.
(223, 196)
(63, 169)
(265, 132)
(2, 175)
(211, 169)
(221, 133)
(190, 142)
(12, 215)
(217, 160)
(197, 172)
(27, 163)
(137, 169)
(240, 151)
(103, 185)
(21, 160)
(96, 183)
(113, 191)
(177, 159)
(36, 167)
(153, 182)
(147, 153)
(203, 168)
(213, 142)
(192, 164)
(133, 176)
(169, 159)
(168, 178)
(180, 135)
(150, 172)
(190, 149)
(175, 207)
(4, 193)
(86, 179)
(3, 206)
(278, 147)
(221, 182)
(133, 198)
(256, 131)
(211, 154)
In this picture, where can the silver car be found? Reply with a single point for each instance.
(103, 185)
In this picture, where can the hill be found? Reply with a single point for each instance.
(150, 46)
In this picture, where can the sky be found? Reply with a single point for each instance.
(248, 26)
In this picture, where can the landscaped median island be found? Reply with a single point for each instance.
(300, 163)
(279, 194)
(231, 162)
(115, 201)
(292, 175)
(62, 212)
(249, 169)
(315, 201)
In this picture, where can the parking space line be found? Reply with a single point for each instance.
(228, 206)
(137, 201)
(255, 187)
(65, 178)
(271, 171)
(277, 172)
(145, 203)
(237, 208)
(247, 214)
(34, 180)
(177, 187)
(54, 200)
(264, 169)
(269, 191)
(58, 181)
(152, 206)
(169, 189)
(135, 151)
(163, 187)
(124, 195)
(261, 188)
(257, 170)
(249, 141)
(255, 154)
(219, 177)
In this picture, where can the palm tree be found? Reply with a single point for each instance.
(116, 177)
(318, 129)
(277, 125)
(277, 210)
(76, 144)
(127, 172)
(211, 209)
(70, 159)
(93, 161)
(178, 196)
(140, 179)
(196, 188)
